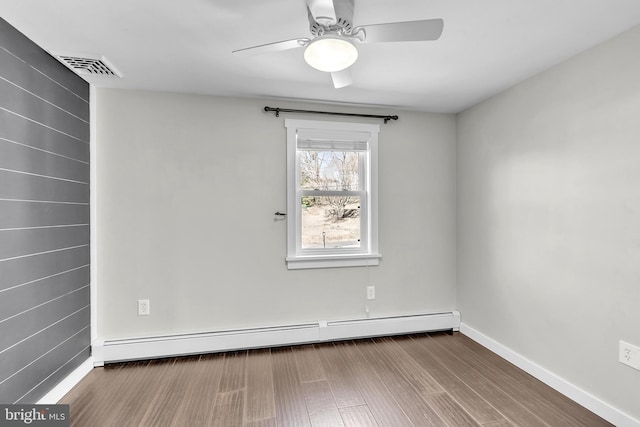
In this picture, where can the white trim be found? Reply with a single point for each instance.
(65, 386)
(174, 345)
(93, 211)
(367, 252)
(592, 403)
(327, 261)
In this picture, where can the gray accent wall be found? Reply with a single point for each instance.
(44, 220)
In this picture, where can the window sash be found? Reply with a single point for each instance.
(363, 162)
(362, 193)
(364, 223)
(331, 193)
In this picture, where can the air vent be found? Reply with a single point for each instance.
(88, 65)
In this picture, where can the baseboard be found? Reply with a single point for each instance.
(108, 351)
(67, 384)
(592, 403)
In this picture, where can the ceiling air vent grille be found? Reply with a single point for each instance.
(88, 65)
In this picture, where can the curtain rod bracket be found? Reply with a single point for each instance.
(278, 110)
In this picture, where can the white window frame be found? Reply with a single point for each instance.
(367, 254)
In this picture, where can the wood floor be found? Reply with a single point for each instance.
(418, 380)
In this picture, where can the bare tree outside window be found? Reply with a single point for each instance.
(336, 216)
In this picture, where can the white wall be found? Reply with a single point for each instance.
(187, 186)
(549, 219)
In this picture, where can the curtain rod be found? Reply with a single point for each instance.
(278, 110)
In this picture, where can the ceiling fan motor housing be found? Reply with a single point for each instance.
(343, 24)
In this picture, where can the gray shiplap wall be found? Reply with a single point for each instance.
(44, 220)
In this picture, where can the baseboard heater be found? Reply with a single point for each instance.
(109, 351)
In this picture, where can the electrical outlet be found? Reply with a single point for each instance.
(144, 308)
(630, 355)
(371, 292)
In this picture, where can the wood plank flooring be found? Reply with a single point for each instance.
(417, 380)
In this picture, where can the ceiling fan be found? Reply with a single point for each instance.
(332, 45)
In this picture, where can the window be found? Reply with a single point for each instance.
(332, 194)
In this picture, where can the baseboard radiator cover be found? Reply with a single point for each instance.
(109, 351)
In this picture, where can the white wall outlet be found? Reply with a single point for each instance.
(630, 355)
(371, 292)
(144, 308)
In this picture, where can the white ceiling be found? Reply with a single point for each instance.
(185, 45)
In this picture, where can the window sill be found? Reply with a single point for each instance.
(332, 261)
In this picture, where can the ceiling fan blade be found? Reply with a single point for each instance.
(323, 11)
(274, 47)
(341, 78)
(428, 29)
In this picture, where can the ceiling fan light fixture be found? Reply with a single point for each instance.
(330, 53)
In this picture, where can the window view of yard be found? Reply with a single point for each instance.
(323, 228)
(330, 220)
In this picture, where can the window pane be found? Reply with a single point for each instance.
(329, 170)
(330, 222)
